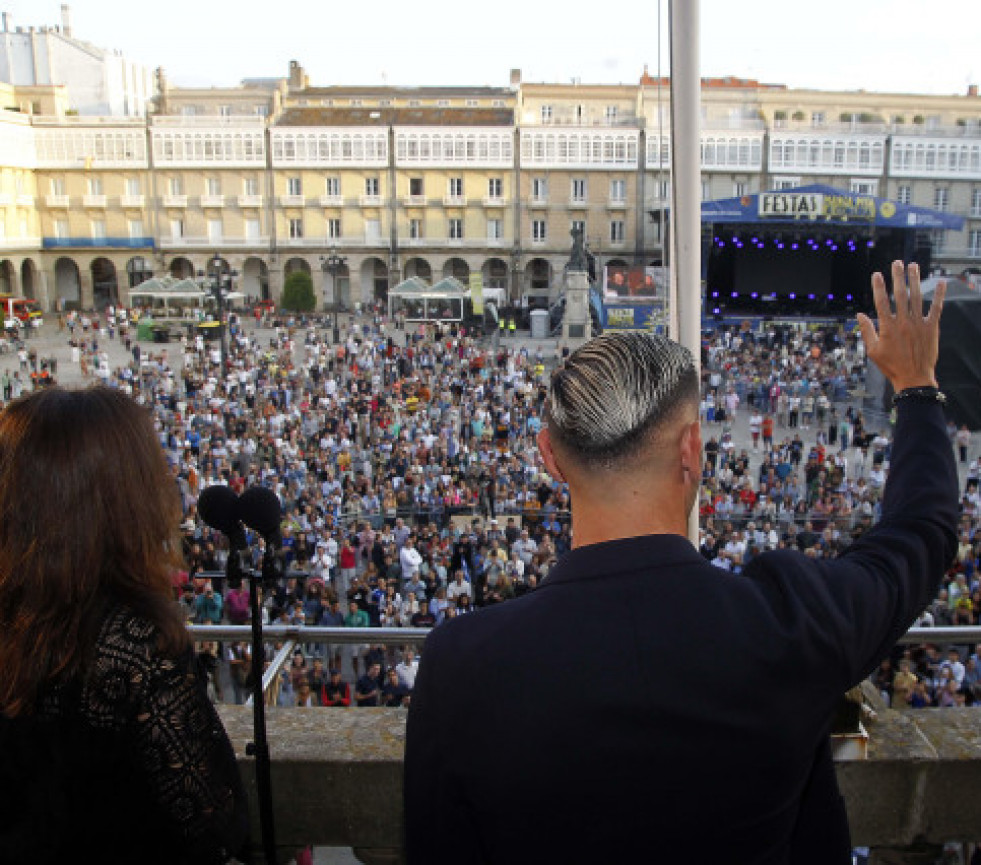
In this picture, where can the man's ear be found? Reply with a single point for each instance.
(691, 449)
(548, 455)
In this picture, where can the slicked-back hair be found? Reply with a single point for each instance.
(614, 392)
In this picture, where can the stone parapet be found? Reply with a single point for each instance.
(337, 780)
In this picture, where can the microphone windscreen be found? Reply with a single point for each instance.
(218, 506)
(259, 509)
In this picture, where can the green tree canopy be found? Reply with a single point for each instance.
(298, 293)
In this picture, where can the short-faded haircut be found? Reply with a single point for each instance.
(615, 390)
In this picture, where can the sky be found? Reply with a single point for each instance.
(902, 46)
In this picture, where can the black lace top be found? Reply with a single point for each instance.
(131, 764)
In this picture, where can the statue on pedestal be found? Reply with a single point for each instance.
(577, 260)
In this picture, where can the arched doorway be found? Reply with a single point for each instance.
(105, 289)
(458, 269)
(295, 264)
(8, 277)
(181, 268)
(28, 281)
(495, 273)
(418, 267)
(137, 271)
(255, 279)
(538, 274)
(68, 285)
(374, 281)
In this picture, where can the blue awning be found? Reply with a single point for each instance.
(825, 205)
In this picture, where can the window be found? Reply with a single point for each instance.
(786, 183)
(616, 231)
(663, 190)
(250, 186)
(579, 189)
(415, 186)
(706, 190)
(538, 230)
(864, 187)
(455, 229)
(415, 229)
(456, 187)
(976, 202)
(939, 241)
(539, 189)
(904, 195)
(135, 228)
(442, 103)
(252, 229)
(618, 190)
(214, 230)
(332, 186)
(974, 244)
(334, 229)
(495, 187)
(176, 186)
(294, 186)
(188, 110)
(495, 229)
(941, 198)
(98, 229)
(546, 114)
(58, 186)
(817, 118)
(133, 186)
(371, 187)
(296, 229)
(739, 188)
(95, 186)
(61, 228)
(214, 186)
(611, 114)
(176, 229)
(471, 103)
(261, 110)
(372, 230)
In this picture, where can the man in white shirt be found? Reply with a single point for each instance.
(407, 668)
(409, 559)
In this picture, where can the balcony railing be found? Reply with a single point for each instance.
(132, 200)
(250, 201)
(292, 200)
(61, 201)
(454, 201)
(212, 200)
(414, 200)
(97, 200)
(331, 200)
(494, 201)
(370, 200)
(175, 201)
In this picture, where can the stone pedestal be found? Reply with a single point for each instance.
(575, 320)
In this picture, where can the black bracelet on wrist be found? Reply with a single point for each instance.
(920, 394)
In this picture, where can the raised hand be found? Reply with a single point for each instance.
(906, 344)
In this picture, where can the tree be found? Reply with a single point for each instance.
(298, 293)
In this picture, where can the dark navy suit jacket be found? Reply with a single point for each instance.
(645, 706)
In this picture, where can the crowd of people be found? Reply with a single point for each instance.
(412, 488)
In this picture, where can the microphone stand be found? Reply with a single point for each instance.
(260, 747)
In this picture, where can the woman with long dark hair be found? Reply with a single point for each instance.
(111, 749)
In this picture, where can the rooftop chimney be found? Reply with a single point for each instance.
(66, 20)
(8, 22)
(515, 77)
(972, 90)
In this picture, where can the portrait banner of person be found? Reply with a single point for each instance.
(647, 282)
(625, 738)
(112, 750)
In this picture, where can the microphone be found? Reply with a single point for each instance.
(218, 506)
(259, 509)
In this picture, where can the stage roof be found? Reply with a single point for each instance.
(810, 206)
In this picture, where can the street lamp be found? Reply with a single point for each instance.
(332, 264)
(220, 284)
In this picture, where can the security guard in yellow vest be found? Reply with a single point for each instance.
(512, 325)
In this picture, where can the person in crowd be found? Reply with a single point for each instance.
(112, 750)
(622, 431)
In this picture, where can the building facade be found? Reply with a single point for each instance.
(364, 187)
